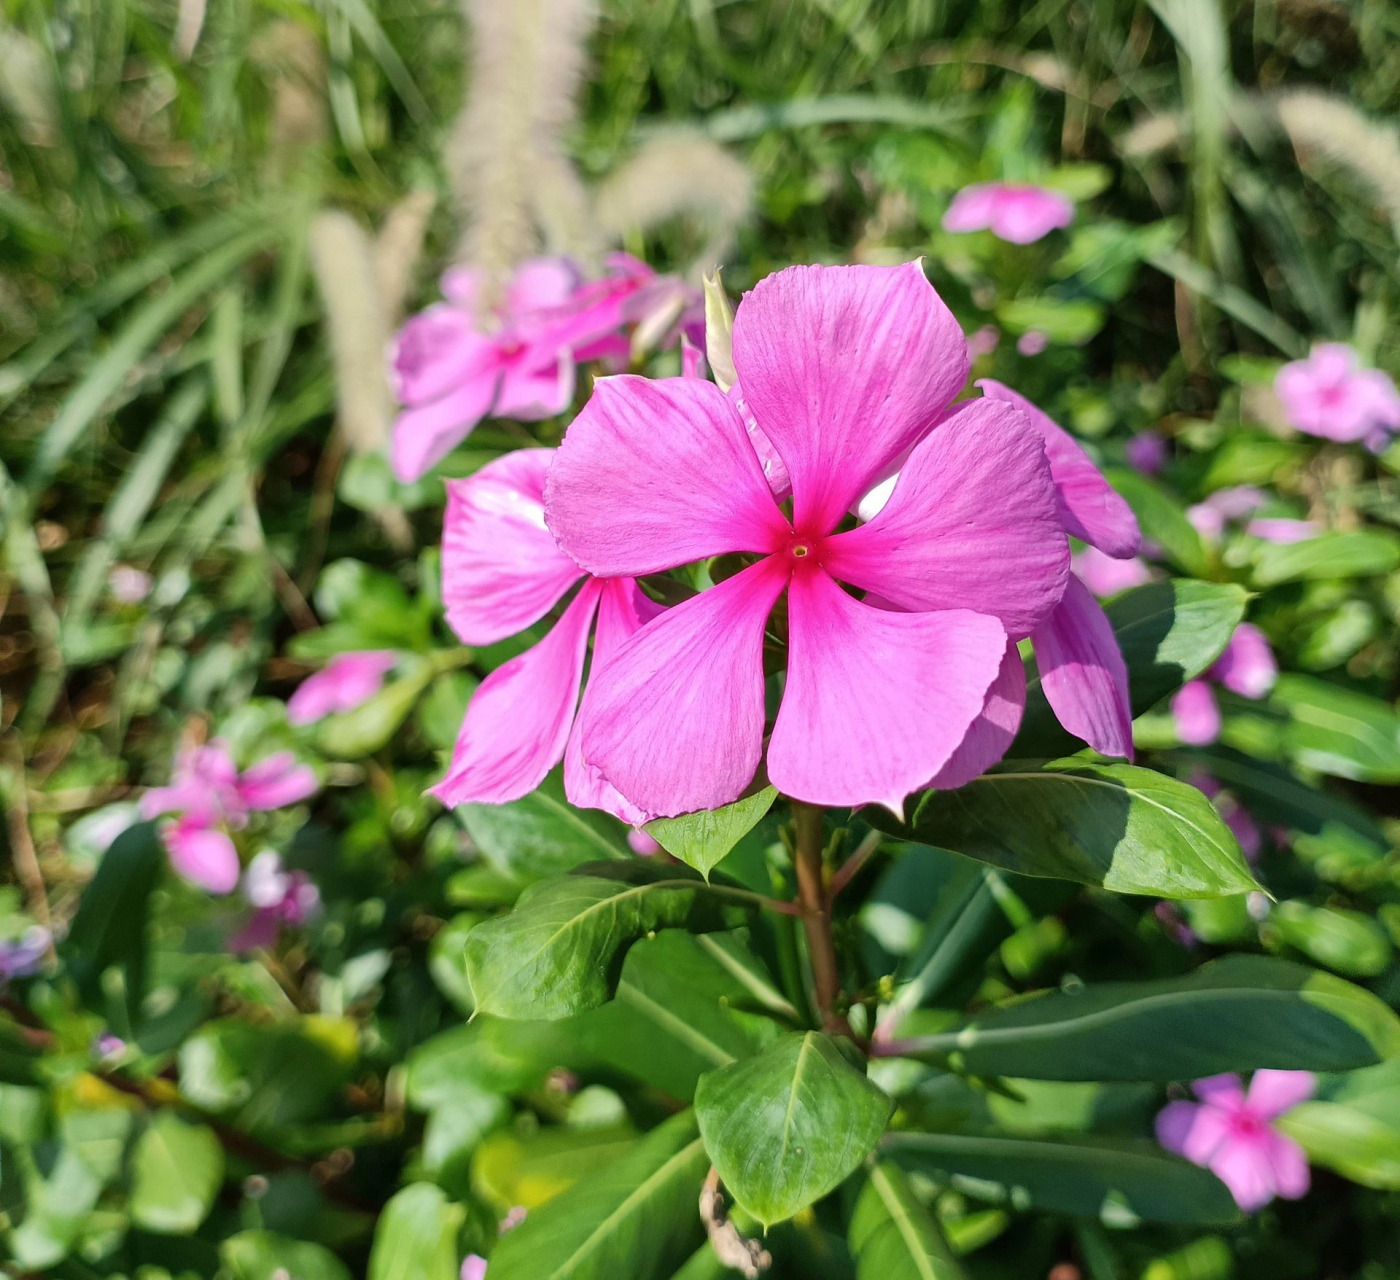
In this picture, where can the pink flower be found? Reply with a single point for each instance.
(1015, 212)
(279, 898)
(1279, 529)
(1105, 576)
(1230, 1133)
(1210, 518)
(845, 370)
(1146, 452)
(1240, 821)
(129, 585)
(642, 844)
(983, 341)
(1247, 667)
(345, 682)
(209, 795)
(1032, 342)
(503, 572)
(473, 1267)
(1330, 395)
(1082, 672)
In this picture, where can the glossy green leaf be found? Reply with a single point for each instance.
(1359, 553)
(703, 840)
(1234, 1014)
(1355, 1129)
(543, 835)
(1349, 942)
(1115, 826)
(635, 1217)
(416, 1236)
(561, 950)
(1338, 731)
(264, 1255)
(1121, 1182)
(893, 1236)
(177, 1170)
(788, 1126)
(1169, 632)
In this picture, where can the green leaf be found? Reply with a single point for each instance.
(109, 928)
(561, 950)
(1163, 521)
(1356, 1129)
(1350, 942)
(1234, 1014)
(1168, 632)
(1120, 1182)
(635, 1217)
(1338, 731)
(177, 1170)
(788, 1126)
(703, 840)
(1115, 826)
(264, 1255)
(542, 835)
(530, 1169)
(893, 1236)
(362, 731)
(1071, 320)
(1360, 553)
(416, 1236)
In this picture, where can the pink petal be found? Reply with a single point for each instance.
(435, 351)
(1083, 673)
(976, 492)
(473, 1267)
(845, 368)
(258, 934)
(277, 781)
(1104, 575)
(1288, 1164)
(1272, 1092)
(779, 482)
(692, 359)
(655, 474)
(518, 720)
(674, 718)
(532, 394)
(876, 702)
(1224, 1091)
(1192, 1130)
(1025, 214)
(202, 856)
(1281, 530)
(1247, 667)
(501, 568)
(540, 283)
(995, 728)
(346, 681)
(1197, 714)
(1244, 1165)
(1089, 506)
(972, 208)
(622, 612)
(423, 436)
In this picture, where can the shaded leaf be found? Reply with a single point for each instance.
(177, 1170)
(416, 1236)
(893, 1236)
(703, 840)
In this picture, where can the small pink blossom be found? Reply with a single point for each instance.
(642, 844)
(1231, 1133)
(1032, 342)
(473, 1267)
(1169, 914)
(1146, 452)
(844, 371)
(1281, 530)
(1106, 576)
(1211, 517)
(1330, 395)
(347, 681)
(514, 1217)
(1016, 212)
(209, 795)
(279, 899)
(129, 585)
(23, 957)
(1247, 667)
(983, 341)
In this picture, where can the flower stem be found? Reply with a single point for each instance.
(815, 907)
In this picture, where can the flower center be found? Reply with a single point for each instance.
(800, 550)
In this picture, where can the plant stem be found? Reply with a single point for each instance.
(849, 869)
(815, 906)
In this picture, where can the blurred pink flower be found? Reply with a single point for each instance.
(473, 1267)
(1209, 518)
(1247, 667)
(1032, 342)
(1330, 395)
(279, 898)
(22, 957)
(345, 682)
(1146, 452)
(209, 794)
(1106, 576)
(844, 370)
(1281, 530)
(642, 844)
(983, 341)
(1015, 212)
(501, 573)
(129, 585)
(1231, 1133)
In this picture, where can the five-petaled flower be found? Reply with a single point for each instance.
(847, 371)
(1232, 1133)
(1016, 212)
(1330, 395)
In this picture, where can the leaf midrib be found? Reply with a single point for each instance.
(900, 1217)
